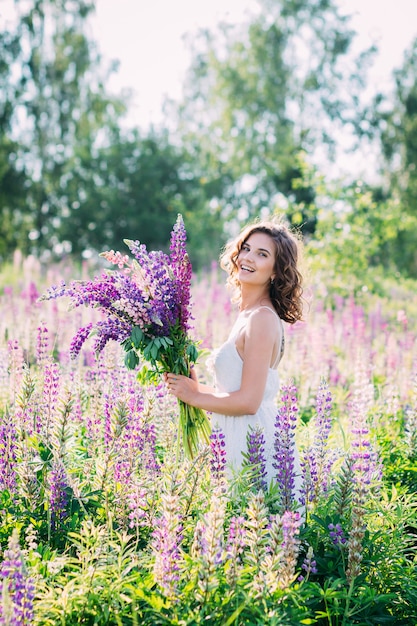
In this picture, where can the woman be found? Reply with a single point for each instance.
(262, 266)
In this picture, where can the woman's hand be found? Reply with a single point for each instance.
(182, 387)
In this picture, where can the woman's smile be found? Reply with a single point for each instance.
(257, 258)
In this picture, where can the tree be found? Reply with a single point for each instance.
(15, 221)
(83, 184)
(55, 106)
(133, 189)
(257, 95)
(394, 123)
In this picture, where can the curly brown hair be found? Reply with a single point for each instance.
(286, 289)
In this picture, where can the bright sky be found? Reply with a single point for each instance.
(147, 37)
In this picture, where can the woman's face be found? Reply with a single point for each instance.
(256, 259)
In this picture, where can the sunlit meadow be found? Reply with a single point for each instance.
(104, 520)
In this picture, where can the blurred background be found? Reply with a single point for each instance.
(116, 116)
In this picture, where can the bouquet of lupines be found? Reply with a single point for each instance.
(146, 306)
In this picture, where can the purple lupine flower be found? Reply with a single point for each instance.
(284, 457)
(167, 538)
(336, 534)
(16, 362)
(15, 586)
(182, 270)
(362, 469)
(236, 537)
(235, 546)
(139, 440)
(108, 426)
(8, 454)
(309, 565)
(218, 455)
(58, 498)
(152, 273)
(309, 475)
(79, 339)
(291, 522)
(138, 506)
(114, 329)
(316, 461)
(324, 404)
(50, 394)
(207, 548)
(42, 344)
(255, 459)
(31, 293)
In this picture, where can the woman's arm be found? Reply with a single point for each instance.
(260, 338)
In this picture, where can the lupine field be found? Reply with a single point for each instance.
(104, 521)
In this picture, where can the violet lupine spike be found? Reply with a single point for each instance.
(51, 384)
(58, 498)
(362, 469)
(291, 523)
(150, 268)
(182, 269)
(336, 534)
(284, 457)
(139, 439)
(235, 546)
(110, 329)
(16, 363)
(152, 274)
(8, 454)
(316, 460)
(208, 549)
(218, 455)
(309, 474)
(108, 407)
(137, 501)
(42, 344)
(79, 339)
(167, 538)
(255, 458)
(309, 565)
(16, 586)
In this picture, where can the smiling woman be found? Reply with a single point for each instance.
(262, 264)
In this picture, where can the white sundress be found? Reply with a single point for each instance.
(227, 366)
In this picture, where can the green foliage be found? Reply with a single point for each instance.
(394, 122)
(70, 179)
(264, 103)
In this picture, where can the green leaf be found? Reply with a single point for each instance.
(136, 336)
(147, 351)
(192, 353)
(131, 360)
(154, 350)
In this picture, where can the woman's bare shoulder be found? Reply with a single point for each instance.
(264, 318)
